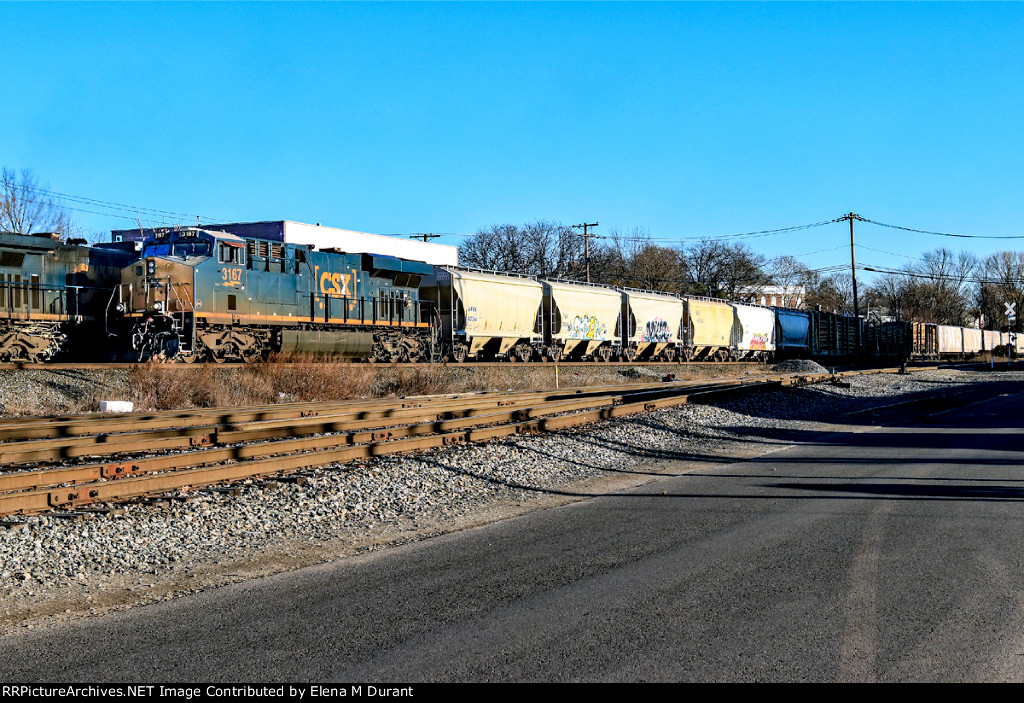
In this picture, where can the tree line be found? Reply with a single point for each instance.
(940, 286)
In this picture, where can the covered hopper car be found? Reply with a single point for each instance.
(652, 324)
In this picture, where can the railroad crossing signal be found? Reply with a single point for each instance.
(1010, 311)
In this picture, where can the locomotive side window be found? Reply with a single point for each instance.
(231, 254)
(12, 259)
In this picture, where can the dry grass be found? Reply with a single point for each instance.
(174, 387)
(169, 387)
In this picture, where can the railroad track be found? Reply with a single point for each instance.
(12, 366)
(63, 463)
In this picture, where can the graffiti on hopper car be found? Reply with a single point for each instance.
(585, 327)
(656, 330)
(759, 340)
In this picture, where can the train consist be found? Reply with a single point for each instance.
(195, 295)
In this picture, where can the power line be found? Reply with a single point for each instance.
(948, 277)
(890, 253)
(110, 205)
(944, 234)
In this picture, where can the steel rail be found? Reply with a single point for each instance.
(199, 435)
(140, 477)
(193, 468)
(15, 429)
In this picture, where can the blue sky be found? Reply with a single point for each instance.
(682, 118)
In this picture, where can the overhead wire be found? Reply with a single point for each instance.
(943, 234)
(110, 205)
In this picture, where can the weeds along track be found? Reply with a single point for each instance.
(62, 463)
(101, 366)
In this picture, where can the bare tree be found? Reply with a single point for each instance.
(832, 293)
(539, 248)
(1002, 282)
(701, 264)
(893, 294)
(790, 275)
(27, 208)
(741, 267)
(943, 287)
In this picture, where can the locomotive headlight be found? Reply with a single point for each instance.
(158, 306)
(151, 267)
(120, 307)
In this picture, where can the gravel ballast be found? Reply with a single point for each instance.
(53, 568)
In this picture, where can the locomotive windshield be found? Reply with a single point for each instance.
(185, 244)
(186, 249)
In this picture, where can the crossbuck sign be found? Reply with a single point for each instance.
(1010, 314)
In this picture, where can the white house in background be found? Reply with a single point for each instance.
(776, 296)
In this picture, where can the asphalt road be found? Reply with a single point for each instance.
(878, 554)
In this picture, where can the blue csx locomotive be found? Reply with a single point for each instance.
(197, 295)
(53, 296)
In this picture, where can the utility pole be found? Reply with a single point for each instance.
(853, 267)
(586, 243)
(425, 235)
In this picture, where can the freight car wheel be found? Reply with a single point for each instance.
(460, 353)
